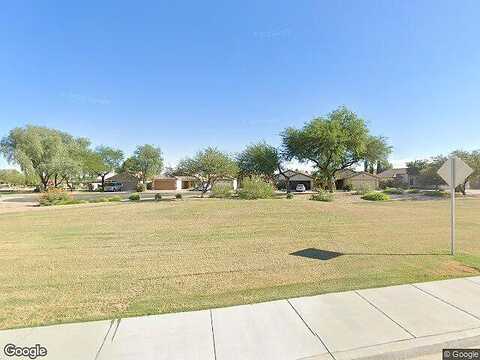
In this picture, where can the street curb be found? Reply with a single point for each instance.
(410, 348)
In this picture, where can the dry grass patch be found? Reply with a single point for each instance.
(125, 259)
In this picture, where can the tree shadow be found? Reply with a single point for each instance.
(324, 255)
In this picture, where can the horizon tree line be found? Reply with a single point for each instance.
(331, 143)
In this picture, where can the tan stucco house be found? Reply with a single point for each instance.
(398, 175)
(296, 178)
(356, 179)
(129, 182)
(174, 183)
(184, 183)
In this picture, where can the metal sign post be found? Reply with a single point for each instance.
(454, 171)
(452, 206)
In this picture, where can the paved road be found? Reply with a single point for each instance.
(404, 321)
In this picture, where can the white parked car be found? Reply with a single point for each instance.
(300, 188)
(113, 186)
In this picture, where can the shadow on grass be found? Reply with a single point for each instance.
(324, 255)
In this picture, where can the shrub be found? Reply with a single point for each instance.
(375, 196)
(158, 197)
(255, 188)
(71, 201)
(114, 198)
(322, 195)
(178, 196)
(436, 193)
(54, 196)
(134, 197)
(413, 191)
(392, 183)
(141, 187)
(99, 200)
(363, 189)
(348, 187)
(393, 191)
(289, 195)
(221, 191)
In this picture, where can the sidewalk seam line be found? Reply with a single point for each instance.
(311, 330)
(385, 314)
(104, 339)
(116, 329)
(213, 336)
(446, 302)
(471, 281)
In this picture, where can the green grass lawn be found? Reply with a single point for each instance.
(100, 261)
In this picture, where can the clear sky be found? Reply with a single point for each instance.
(187, 74)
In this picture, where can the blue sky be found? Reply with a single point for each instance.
(187, 74)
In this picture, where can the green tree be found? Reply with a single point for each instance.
(426, 171)
(331, 143)
(146, 162)
(258, 159)
(376, 155)
(39, 151)
(69, 164)
(208, 166)
(472, 159)
(103, 161)
(12, 177)
(262, 159)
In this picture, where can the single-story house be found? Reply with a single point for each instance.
(174, 183)
(399, 175)
(296, 178)
(356, 179)
(185, 183)
(129, 182)
(97, 183)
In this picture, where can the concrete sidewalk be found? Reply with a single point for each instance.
(395, 322)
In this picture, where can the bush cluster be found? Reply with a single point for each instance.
(61, 197)
(436, 193)
(106, 199)
(289, 195)
(392, 183)
(393, 191)
(348, 187)
(158, 197)
(255, 188)
(134, 197)
(221, 191)
(322, 195)
(178, 196)
(363, 189)
(375, 196)
(413, 191)
(141, 187)
(56, 196)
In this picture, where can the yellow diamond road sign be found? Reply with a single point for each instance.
(459, 172)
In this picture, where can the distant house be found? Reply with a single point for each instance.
(356, 179)
(97, 183)
(296, 178)
(129, 182)
(399, 175)
(174, 183)
(184, 183)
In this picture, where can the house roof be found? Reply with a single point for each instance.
(294, 172)
(349, 173)
(185, 178)
(123, 176)
(390, 173)
(345, 174)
